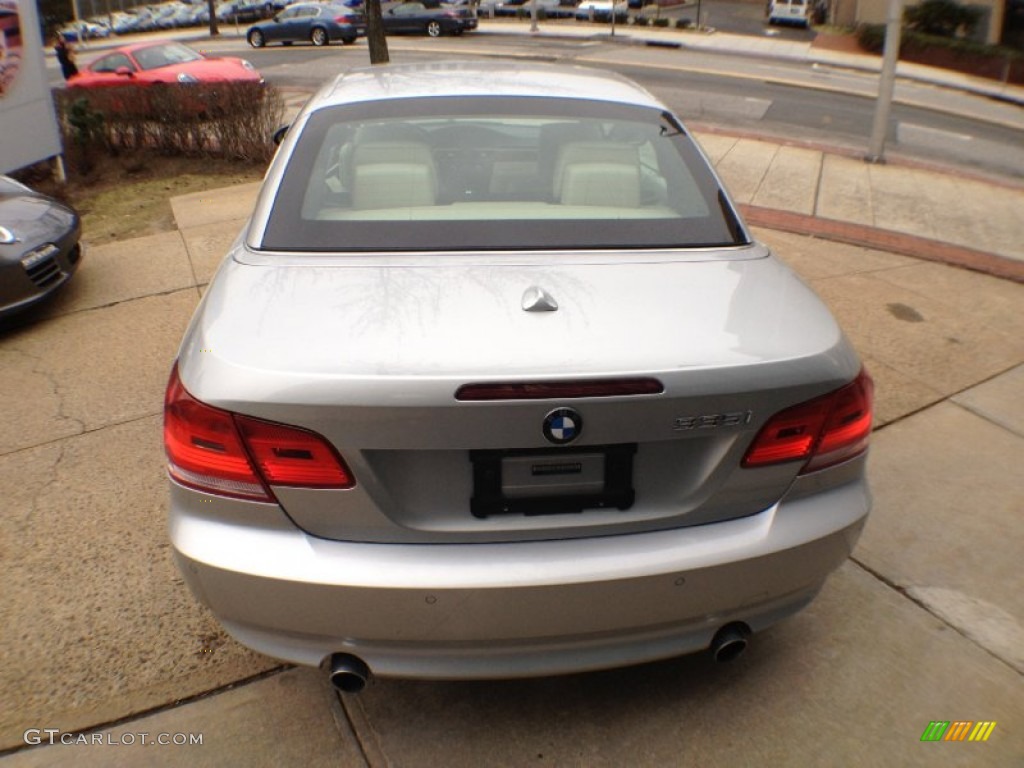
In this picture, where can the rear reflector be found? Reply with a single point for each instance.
(558, 390)
(821, 432)
(227, 454)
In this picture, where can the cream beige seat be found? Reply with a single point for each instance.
(393, 175)
(597, 173)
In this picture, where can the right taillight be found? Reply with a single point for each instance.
(227, 454)
(820, 432)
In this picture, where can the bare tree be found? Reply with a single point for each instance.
(213, 18)
(375, 37)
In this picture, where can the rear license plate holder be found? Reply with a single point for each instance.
(546, 481)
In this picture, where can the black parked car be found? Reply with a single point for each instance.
(431, 18)
(317, 23)
(39, 248)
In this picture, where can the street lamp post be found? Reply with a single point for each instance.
(886, 83)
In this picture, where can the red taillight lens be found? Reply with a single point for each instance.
(789, 435)
(342, 20)
(822, 432)
(204, 450)
(848, 427)
(212, 450)
(292, 456)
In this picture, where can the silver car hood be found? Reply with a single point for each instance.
(409, 332)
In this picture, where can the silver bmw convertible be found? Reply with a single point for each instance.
(496, 383)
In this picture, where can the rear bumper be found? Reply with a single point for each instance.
(508, 610)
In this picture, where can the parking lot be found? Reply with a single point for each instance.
(922, 624)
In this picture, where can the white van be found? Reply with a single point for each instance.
(796, 12)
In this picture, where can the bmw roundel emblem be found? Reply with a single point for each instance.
(562, 426)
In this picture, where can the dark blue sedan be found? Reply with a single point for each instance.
(428, 17)
(317, 23)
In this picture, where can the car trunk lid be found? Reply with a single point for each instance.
(371, 357)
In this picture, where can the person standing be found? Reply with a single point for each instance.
(65, 56)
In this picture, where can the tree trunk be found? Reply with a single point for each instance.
(213, 18)
(375, 33)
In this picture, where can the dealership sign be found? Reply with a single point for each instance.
(28, 122)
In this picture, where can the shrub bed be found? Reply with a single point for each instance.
(229, 120)
(969, 57)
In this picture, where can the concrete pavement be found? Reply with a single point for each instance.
(926, 621)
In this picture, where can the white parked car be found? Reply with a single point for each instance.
(795, 12)
(601, 10)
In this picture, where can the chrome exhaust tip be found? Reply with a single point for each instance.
(730, 641)
(347, 673)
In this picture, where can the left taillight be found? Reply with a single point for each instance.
(820, 432)
(227, 454)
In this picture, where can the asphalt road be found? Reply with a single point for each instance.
(781, 100)
(738, 18)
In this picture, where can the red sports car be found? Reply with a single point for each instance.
(161, 62)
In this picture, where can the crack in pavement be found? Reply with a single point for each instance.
(149, 712)
(367, 738)
(344, 723)
(84, 432)
(908, 593)
(55, 389)
(191, 262)
(59, 315)
(45, 486)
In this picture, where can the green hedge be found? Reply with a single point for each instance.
(231, 120)
(871, 37)
(990, 61)
(941, 18)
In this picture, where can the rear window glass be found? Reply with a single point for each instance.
(496, 173)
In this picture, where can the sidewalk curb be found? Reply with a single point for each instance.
(883, 240)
